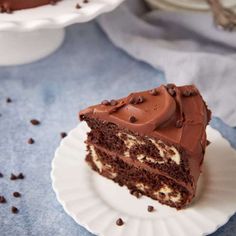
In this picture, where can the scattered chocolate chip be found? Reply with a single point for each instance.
(63, 134)
(86, 1)
(1, 175)
(30, 141)
(208, 142)
(171, 92)
(150, 208)
(154, 92)
(20, 176)
(14, 210)
(16, 194)
(140, 99)
(136, 193)
(113, 102)
(119, 222)
(2, 199)
(77, 6)
(8, 100)
(132, 119)
(179, 124)
(35, 122)
(105, 102)
(13, 177)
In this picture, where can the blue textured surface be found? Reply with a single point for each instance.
(87, 69)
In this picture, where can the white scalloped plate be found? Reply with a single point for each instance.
(60, 15)
(96, 202)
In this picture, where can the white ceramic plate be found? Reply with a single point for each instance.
(58, 16)
(96, 202)
(195, 5)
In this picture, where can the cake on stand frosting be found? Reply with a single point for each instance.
(27, 35)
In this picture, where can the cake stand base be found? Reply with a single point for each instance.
(25, 47)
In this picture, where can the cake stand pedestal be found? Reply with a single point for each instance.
(25, 47)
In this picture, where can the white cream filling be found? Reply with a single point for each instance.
(131, 141)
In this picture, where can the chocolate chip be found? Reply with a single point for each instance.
(171, 92)
(154, 92)
(35, 122)
(136, 193)
(8, 100)
(13, 177)
(140, 99)
(86, 1)
(30, 141)
(171, 152)
(20, 176)
(1, 175)
(150, 208)
(162, 145)
(208, 142)
(77, 6)
(63, 134)
(105, 102)
(113, 102)
(14, 210)
(132, 119)
(119, 222)
(2, 199)
(16, 194)
(170, 86)
(132, 100)
(179, 124)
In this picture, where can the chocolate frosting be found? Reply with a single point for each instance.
(11, 5)
(176, 115)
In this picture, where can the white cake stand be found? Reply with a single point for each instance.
(30, 35)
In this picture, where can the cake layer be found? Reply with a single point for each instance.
(11, 5)
(148, 151)
(156, 186)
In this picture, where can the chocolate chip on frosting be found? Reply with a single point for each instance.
(113, 102)
(171, 91)
(140, 99)
(132, 119)
(179, 124)
(170, 86)
(105, 102)
(132, 100)
(154, 92)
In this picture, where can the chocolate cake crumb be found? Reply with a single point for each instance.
(113, 102)
(30, 141)
(8, 100)
(105, 102)
(132, 119)
(179, 124)
(13, 177)
(63, 134)
(77, 6)
(150, 208)
(21, 176)
(119, 222)
(154, 92)
(16, 194)
(14, 210)
(1, 175)
(2, 199)
(35, 122)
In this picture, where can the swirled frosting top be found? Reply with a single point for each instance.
(175, 114)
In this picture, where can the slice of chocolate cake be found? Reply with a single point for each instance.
(153, 142)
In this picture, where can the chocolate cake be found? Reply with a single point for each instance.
(11, 5)
(153, 142)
